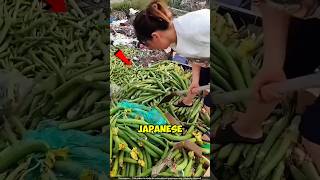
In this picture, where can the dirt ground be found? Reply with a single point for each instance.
(191, 5)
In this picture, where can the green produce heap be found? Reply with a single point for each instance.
(136, 154)
(236, 60)
(65, 55)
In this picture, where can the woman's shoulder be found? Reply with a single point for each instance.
(298, 8)
(201, 13)
(196, 20)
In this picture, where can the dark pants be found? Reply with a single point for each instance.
(303, 57)
(204, 79)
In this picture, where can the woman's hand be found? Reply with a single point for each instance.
(264, 77)
(193, 88)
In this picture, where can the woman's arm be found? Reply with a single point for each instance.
(275, 28)
(195, 73)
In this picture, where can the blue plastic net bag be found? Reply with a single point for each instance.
(151, 115)
(85, 151)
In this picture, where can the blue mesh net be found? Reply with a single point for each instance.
(151, 115)
(88, 152)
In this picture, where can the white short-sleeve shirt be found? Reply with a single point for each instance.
(193, 34)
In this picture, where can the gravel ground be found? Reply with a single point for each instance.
(191, 5)
(118, 15)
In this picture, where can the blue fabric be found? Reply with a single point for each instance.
(151, 115)
(180, 59)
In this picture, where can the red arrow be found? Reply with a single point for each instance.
(57, 5)
(119, 54)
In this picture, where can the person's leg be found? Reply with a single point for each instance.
(310, 125)
(248, 124)
(313, 150)
(205, 80)
(310, 131)
(208, 104)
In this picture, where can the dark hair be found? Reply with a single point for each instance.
(155, 17)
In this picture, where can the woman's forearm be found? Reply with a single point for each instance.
(275, 28)
(195, 72)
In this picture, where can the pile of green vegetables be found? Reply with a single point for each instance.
(138, 154)
(148, 86)
(236, 53)
(121, 75)
(65, 55)
(281, 156)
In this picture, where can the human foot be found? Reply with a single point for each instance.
(227, 134)
(239, 132)
(206, 109)
(247, 131)
(184, 103)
